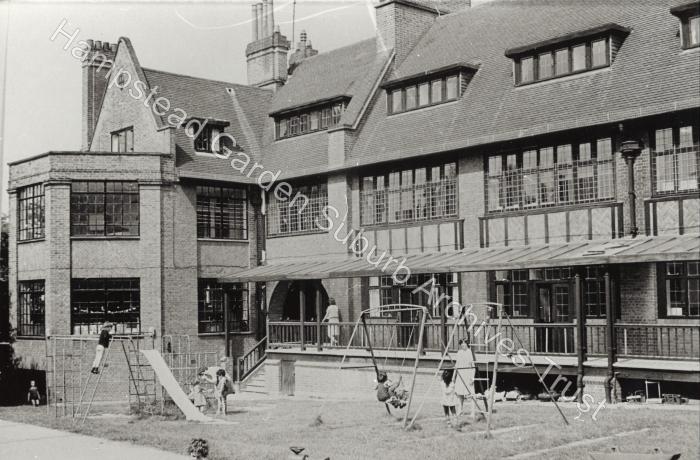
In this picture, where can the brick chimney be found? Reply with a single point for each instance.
(303, 51)
(97, 64)
(266, 54)
(401, 23)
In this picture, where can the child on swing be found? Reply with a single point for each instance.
(389, 392)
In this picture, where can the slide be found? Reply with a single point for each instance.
(167, 380)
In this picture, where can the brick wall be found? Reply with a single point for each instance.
(400, 26)
(120, 109)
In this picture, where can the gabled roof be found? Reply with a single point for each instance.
(244, 108)
(650, 74)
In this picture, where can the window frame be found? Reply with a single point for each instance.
(686, 30)
(127, 134)
(551, 174)
(300, 122)
(444, 90)
(28, 290)
(224, 203)
(395, 183)
(104, 204)
(31, 198)
(109, 287)
(278, 220)
(553, 51)
(238, 293)
(673, 153)
(663, 294)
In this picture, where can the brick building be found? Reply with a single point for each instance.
(541, 155)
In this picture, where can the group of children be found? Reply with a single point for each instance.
(223, 386)
(457, 386)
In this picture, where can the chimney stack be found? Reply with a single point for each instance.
(97, 64)
(401, 23)
(267, 53)
(303, 51)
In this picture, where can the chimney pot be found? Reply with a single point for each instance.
(98, 44)
(254, 9)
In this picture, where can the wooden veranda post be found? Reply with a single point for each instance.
(610, 335)
(318, 319)
(581, 336)
(302, 315)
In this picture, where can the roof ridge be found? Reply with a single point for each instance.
(239, 85)
(326, 53)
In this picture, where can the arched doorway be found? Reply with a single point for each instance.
(285, 300)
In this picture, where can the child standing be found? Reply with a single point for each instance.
(220, 391)
(33, 395)
(197, 396)
(464, 377)
(449, 401)
(102, 344)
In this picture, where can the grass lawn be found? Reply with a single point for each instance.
(265, 429)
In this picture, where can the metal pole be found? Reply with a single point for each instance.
(318, 319)
(369, 343)
(415, 366)
(227, 329)
(610, 324)
(302, 314)
(581, 332)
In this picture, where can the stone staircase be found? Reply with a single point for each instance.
(255, 384)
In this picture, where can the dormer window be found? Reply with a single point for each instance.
(571, 54)
(309, 119)
(209, 135)
(689, 17)
(429, 88)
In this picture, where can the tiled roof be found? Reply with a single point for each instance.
(339, 72)
(650, 74)
(352, 71)
(245, 110)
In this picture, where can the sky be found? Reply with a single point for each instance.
(203, 39)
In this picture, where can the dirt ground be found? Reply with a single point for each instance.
(267, 428)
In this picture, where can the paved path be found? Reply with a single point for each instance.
(19, 441)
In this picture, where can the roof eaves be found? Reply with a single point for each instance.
(599, 30)
(430, 73)
(308, 105)
(685, 9)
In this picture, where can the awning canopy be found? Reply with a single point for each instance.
(618, 251)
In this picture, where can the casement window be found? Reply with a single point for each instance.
(123, 140)
(424, 92)
(675, 160)
(308, 121)
(689, 18)
(546, 176)
(30, 212)
(434, 291)
(571, 54)
(31, 308)
(213, 298)
(210, 136)
(222, 212)
(97, 300)
(516, 297)
(679, 289)
(409, 195)
(521, 291)
(299, 213)
(104, 208)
